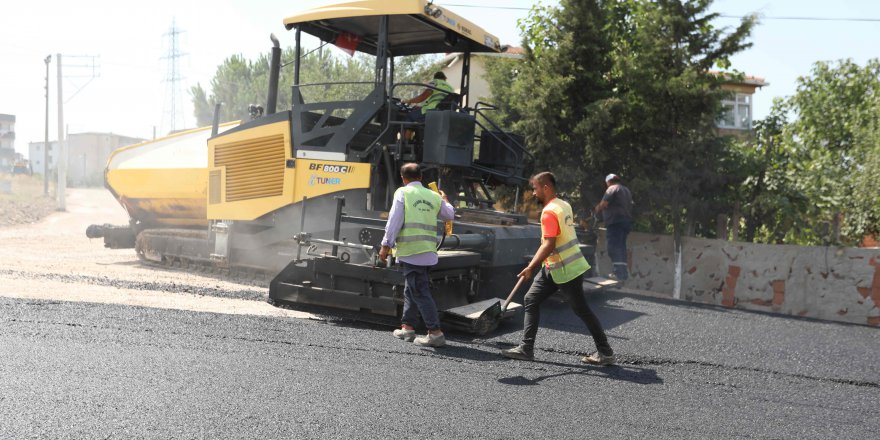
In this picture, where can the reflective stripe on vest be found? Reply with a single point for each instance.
(567, 262)
(419, 232)
(436, 96)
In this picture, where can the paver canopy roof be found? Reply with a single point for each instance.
(414, 27)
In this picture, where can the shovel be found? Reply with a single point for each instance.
(510, 296)
(489, 319)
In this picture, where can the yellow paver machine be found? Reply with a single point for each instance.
(303, 194)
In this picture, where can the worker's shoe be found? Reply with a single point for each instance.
(406, 335)
(599, 359)
(430, 340)
(520, 352)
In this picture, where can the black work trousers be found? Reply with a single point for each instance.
(542, 287)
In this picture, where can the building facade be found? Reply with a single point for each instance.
(736, 115)
(7, 142)
(87, 155)
(478, 89)
(35, 156)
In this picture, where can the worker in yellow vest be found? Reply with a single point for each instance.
(432, 97)
(560, 265)
(412, 230)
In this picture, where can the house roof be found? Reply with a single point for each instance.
(732, 78)
(506, 52)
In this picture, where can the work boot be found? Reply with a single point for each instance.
(406, 335)
(520, 352)
(599, 359)
(430, 340)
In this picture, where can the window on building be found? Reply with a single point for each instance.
(737, 112)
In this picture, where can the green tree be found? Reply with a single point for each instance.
(666, 136)
(501, 74)
(767, 186)
(862, 210)
(238, 82)
(560, 97)
(835, 131)
(808, 176)
(625, 86)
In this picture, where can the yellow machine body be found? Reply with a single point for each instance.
(189, 178)
(164, 182)
(253, 173)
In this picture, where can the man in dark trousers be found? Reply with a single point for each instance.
(616, 209)
(412, 230)
(560, 265)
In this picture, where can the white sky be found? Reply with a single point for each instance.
(129, 95)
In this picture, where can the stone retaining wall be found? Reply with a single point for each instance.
(834, 283)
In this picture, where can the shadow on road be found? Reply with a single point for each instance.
(459, 350)
(556, 314)
(637, 375)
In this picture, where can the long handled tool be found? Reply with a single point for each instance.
(512, 292)
(480, 317)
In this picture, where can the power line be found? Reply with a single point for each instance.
(487, 7)
(459, 5)
(804, 18)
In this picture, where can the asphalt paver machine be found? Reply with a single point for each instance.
(304, 193)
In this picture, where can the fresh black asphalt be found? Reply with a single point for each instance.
(89, 371)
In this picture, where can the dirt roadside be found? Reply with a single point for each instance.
(22, 200)
(53, 260)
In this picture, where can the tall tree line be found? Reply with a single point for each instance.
(239, 82)
(626, 86)
(812, 174)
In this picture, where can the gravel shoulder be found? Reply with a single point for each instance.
(52, 259)
(22, 200)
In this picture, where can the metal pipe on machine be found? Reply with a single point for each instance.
(465, 241)
(274, 72)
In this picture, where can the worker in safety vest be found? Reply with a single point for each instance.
(412, 230)
(430, 97)
(560, 265)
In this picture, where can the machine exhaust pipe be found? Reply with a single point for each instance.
(274, 72)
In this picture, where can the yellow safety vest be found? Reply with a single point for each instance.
(419, 232)
(567, 261)
(437, 96)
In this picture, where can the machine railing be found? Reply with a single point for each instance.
(316, 125)
(509, 142)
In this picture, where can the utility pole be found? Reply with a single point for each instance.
(62, 147)
(46, 138)
(62, 142)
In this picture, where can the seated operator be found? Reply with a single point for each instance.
(430, 97)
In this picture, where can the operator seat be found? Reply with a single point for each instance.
(449, 102)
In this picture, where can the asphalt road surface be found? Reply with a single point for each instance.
(95, 346)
